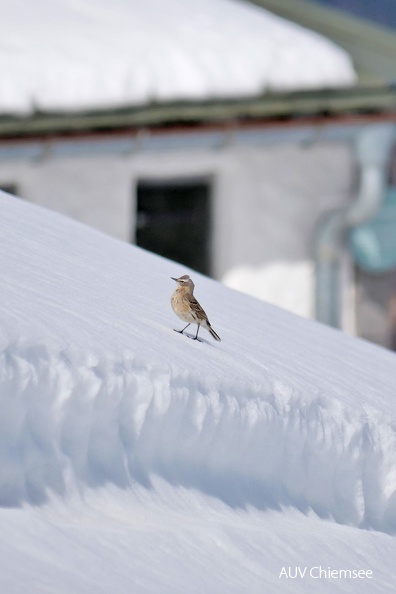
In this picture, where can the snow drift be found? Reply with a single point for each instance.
(96, 389)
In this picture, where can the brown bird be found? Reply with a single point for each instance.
(187, 308)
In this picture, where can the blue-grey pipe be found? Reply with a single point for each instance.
(372, 150)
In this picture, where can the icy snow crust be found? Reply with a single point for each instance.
(143, 447)
(94, 54)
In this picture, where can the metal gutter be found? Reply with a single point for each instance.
(335, 102)
(211, 137)
(372, 150)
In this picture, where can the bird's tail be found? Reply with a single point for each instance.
(213, 333)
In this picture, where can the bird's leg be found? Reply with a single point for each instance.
(196, 336)
(181, 331)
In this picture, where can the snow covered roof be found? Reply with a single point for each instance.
(72, 55)
(142, 461)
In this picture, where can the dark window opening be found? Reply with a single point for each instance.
(173, 220)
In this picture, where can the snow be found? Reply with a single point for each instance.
(134, 459)
(289, 285)
(91, 54)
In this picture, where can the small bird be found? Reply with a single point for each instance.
(187, 308)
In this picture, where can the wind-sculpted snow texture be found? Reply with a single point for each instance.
(134, 459)
(97, 390)
(73, 419)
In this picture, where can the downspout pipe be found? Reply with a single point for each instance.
(372, 151)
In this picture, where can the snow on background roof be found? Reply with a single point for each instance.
(133, 459)
(86, 54)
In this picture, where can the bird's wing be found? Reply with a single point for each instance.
(197, 309)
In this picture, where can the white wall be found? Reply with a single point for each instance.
(269, 201)
(266, 200)
(95, 191)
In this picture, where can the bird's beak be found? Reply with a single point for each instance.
(175, 279)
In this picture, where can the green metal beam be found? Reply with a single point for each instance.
(272, 106)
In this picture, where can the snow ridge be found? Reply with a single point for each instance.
(78, 420)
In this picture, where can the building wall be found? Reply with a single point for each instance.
(93, 190)
(266, 200)
(269, 201)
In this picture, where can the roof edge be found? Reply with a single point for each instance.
(334, 102)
